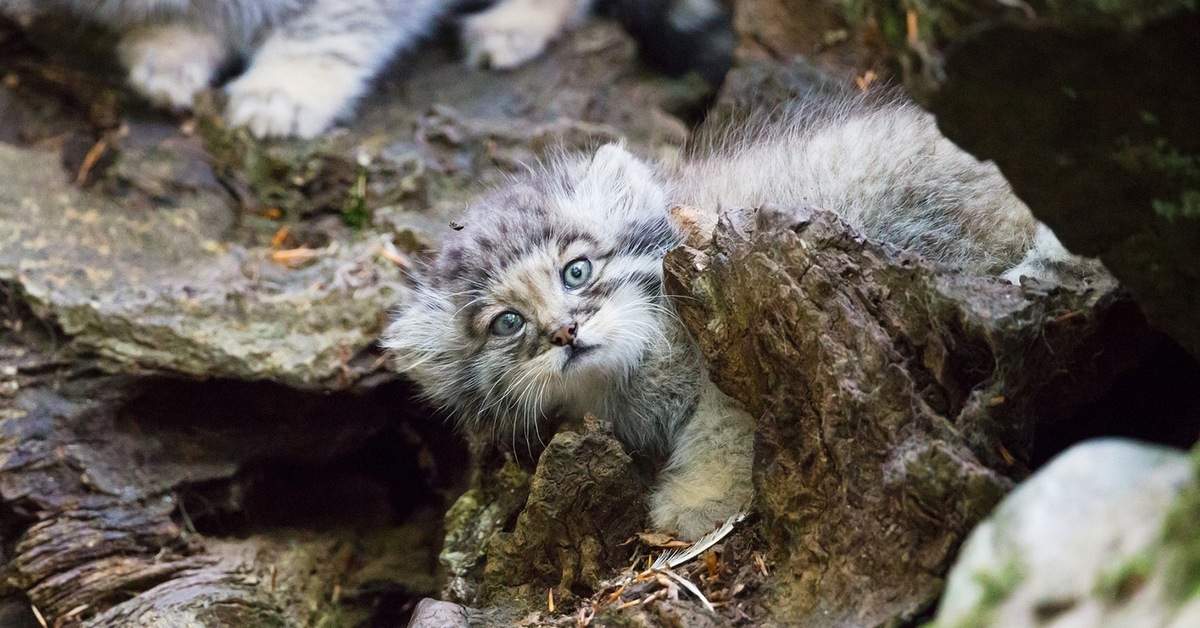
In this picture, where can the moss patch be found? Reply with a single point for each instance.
(1181, 539)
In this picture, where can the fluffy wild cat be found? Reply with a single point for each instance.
(309, 60)
(549, 302)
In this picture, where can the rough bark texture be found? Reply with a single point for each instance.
(1089, 109)
(585, 502)
(896, 403)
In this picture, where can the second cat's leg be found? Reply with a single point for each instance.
(312, 70)
(515, 31)
(171, 63)
(708, 478)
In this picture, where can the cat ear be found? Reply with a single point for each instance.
(614, 168)
(615, 173)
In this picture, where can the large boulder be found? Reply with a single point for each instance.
(1104, 535)
(897, 402)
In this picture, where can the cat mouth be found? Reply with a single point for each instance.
(578, 352)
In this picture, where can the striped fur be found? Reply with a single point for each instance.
(639, 370)
(883, 167)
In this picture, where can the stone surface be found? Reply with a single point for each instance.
(160, 291)
(816, 30)
(896, 403)
(166, 263)
(585, 501)
(1082, 543)
(195, 425)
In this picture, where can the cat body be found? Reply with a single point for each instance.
(549, 302)
(885, 168)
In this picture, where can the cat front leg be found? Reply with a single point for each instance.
(170, 63)
(515, 31)
(312, 70)
(708, 477)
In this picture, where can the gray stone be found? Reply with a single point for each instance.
(1079, 543)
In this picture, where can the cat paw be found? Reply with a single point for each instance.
(170, 64)
(509, 34)
(692, 511)
(290, 97)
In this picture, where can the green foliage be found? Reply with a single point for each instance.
(1122, 581)
(355, 213)
(1181, 539)
(998, 585)
(1188, 206)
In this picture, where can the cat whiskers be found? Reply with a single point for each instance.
(529, 413)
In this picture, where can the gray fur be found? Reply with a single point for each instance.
(310, 60)
(884, 168)
(509, 256)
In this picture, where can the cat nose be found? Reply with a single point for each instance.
(564, 335)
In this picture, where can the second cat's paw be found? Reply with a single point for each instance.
(290, 97)
(509, 34)
(171, 64)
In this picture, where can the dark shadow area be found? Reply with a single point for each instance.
(13, 523)
(16, 612)
(1157, 401)
(676, 39)
(375, 469)
(303, 459)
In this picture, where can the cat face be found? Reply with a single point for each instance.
(547, 299)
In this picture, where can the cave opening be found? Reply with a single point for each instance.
(374, 470)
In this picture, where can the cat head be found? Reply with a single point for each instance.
(547, 298)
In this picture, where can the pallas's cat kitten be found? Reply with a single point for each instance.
(549, 302)
(309, 60)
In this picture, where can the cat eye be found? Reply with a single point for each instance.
(507, 323)
(577, 273)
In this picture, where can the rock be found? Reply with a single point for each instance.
(432, 613)
(165, 262)
(896, 403)
(161, 291)
(783, 30)
(1088, 108)
(585, 501)
(195, 426)
(1089, 540)
(477, 515)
